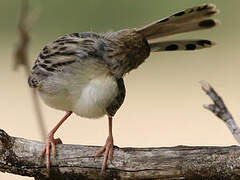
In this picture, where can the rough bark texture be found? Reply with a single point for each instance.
(21, 156)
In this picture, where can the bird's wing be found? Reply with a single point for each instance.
(63, 52)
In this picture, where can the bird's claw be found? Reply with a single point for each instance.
(50, 143)
(108, 149)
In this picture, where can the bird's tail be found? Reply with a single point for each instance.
(192, 19)
(192, 44)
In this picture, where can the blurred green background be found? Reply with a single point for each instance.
(163, 106)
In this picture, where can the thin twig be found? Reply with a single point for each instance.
(21, 59)
(220, 110)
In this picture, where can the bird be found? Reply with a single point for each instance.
(82, 73)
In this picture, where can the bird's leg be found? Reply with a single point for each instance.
(51, 142)
(108, 147)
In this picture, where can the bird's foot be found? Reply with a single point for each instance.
(108, 149)
(50, 143)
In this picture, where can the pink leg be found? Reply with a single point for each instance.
(108, 147)
(51, 142)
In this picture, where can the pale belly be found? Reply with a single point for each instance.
(86, 99)
(95, 97)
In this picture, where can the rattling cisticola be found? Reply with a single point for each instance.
(83, 73)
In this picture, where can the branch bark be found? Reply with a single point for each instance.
(21, 156)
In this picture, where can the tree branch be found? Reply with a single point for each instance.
(21, 156)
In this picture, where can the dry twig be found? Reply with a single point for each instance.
(21, 59)
(220, 110)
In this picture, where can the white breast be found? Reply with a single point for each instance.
(95, 97)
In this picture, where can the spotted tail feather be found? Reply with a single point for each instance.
(192, 19)
(181, 45)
